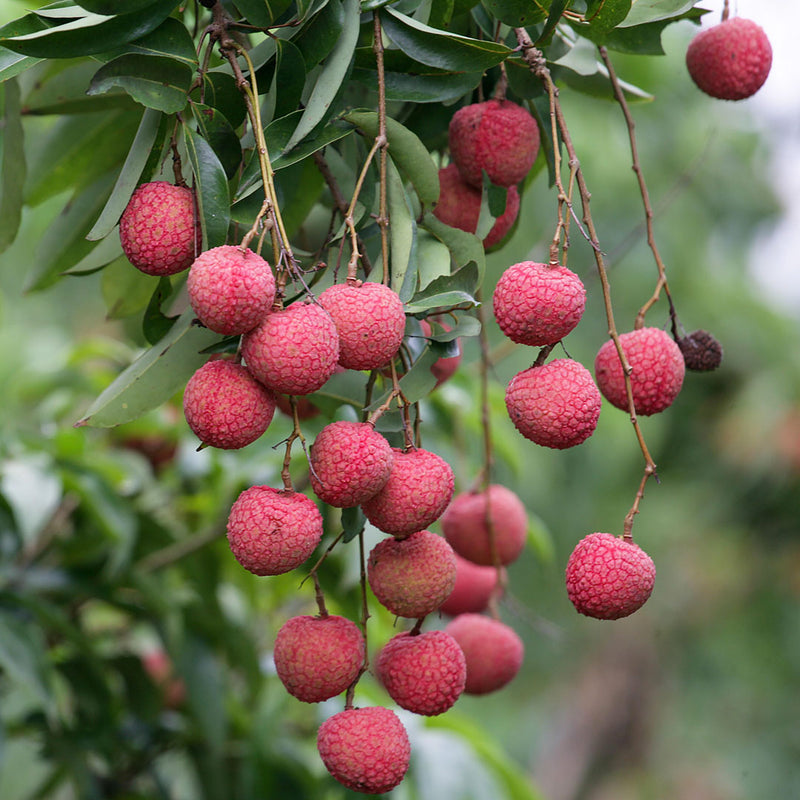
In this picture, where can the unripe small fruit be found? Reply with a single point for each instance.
(230, 290)
(225, 406)
(365, 749)
(273, 531)
(464, 525)
(473, 589)
(317, 658)
(555, 404)
(657, 373)
(538, 304)
(609, 577)
(159, 230)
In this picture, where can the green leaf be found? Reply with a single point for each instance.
(434, 87)
(154, 81)
(14, 166)
(211, 186)
(11, 63)
(154, 377)
(419, 381)
(217, 131)
(126, 290)
(402, 233)
(110, 7)
(433, 258)
(517, 13)
(219, 91)
(23, 657)
(465, 247)
(557, 8)
(289, 78)
(262, 13)
(646, 39)
(446, 291)
(107, 250)
(643, 11)
(170, 40)
(609, 14)
(155, 324)
(343, 388)
(353, 521)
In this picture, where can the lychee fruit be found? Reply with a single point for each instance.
(497, 136)
(365, 749)
(370, 320)
(273, 531)
(226, 406)
(730, 60)
(412, 577)
(556, 404)
(158, 665)
(465, 527)
(492, 650)
(609, 577)
(445, 367)
(230, 289)
(459, 206)
(317, 658)
(293, 351)
(473, 589)
(419, 488)
(538, 304)
(701, 351)
(424, 672)
(159, 229)
(350, 462)
(657, 370)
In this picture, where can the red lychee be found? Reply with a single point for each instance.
(730, 60)
(159, 229)
(657, 370)
(493, 651)
(445, 367)
(459, 206)
(473, 589)
(609, 577)
(350, 462)
(555, 404)
(365, 749)
(538, 304)
(424, 673)
(158, 665)
(293, 351)
(419, 488)
(464, 525)
(230, 289)
(413, 576)
(497, 136)
(273, 531)
(226, 406)
(318, 657)
(370, 320)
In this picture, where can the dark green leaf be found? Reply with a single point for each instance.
(13, 165)
(609, 14)
(403, 234)
(262, 13)
(126, 290)
(12, 64)
(447, 291)
(299, 187)
(643, 11)
(465, 247)
(646, 39)
(554, 16)
(517, 13)
(155, 324)
(289, 79)
(353, 520)
(437, 87)
(317, 39)
(211, 186)
(23, 658)
(170, 40)
(110, 7)
(219, 91)
(217, 131)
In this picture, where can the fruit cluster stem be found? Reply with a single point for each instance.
(383, 215)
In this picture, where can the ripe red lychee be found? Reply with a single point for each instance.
(464, 525)
(609, 577)
(230, 289)
(497, 136)
(413, 576)
(424, 673)
(555, 404)
(493, 651)
(159, 229)
(226, 406)
(273, 531)
(459, 206)
(365, 749)
(419, 488)
(370, 320)
(318, 657)
(293, 351)
(350, 462)
(538, 304)
(730, 60)
(657, 376)
(473, 589)
(445, 367)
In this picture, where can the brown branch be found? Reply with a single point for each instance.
(383, 216)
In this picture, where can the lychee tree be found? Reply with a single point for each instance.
(291, 205)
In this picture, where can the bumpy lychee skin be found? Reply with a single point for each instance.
(350, 462)
(464, 525)
(419, 488)
(657, 376)
(225, 406)
(473, 589)
(159, 229)
(497, 136)
(609, 577)
(492, 649)
(731, 60)
(370, 320)
(230, 290)
(459, 206)
(365, 749)
(555, 404)
(424, 673)
(273, 531)
(293, 351)
(317, 658)
(412, 577)
(538, 304)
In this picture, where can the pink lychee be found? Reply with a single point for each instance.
(473, 589)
